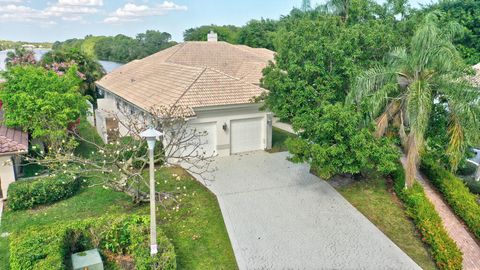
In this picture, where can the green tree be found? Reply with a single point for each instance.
(306, 5)
(318, 56)
(258, 34)
(332, 142)
(404, 91)
(42, 102)
(467, 14)
(153, 41)
(228, 33)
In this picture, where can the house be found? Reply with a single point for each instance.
(216, 81)
(13, 143)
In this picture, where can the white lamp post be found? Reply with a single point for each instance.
(152, 135)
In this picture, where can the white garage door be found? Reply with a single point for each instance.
(246, 135)
(208, 140)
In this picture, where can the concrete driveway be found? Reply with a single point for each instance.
(279, 216)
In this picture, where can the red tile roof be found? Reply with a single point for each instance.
(12, 140)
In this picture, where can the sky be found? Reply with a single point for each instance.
(51, 20)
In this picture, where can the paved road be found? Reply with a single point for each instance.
(279, 216)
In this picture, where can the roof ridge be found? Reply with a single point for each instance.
(241, 47)
(232, 77)
(190, 86)
(180, 46)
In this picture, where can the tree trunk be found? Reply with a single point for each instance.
(477, 175)
(412, 161)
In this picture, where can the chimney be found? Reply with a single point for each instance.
(212, 37)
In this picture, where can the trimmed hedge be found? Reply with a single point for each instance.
(444, 250)
(51, 247)
(463, 202)
(26, 194)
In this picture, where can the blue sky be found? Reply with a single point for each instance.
(39, 20)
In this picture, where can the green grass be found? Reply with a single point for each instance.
(374, 200)
(278, 140)
(197, 229)
(89, 133)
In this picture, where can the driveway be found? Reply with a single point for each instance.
(279, 216)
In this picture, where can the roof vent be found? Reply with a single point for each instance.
(212, 37)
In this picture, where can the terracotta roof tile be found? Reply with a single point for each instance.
(12, 140)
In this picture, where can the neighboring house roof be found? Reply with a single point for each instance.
(475, 79)
(191, 74)
(12, 141)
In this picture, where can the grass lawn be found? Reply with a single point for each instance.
(382, 208)
(278, 140)
(89, 133)
(196, 229)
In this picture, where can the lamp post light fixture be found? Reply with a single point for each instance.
(152, 135)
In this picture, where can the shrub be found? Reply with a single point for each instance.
(458, 196)
(50, 247)
(444, 250)
(26, 194)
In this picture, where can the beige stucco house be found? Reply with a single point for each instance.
(216, 81)
(13, 143)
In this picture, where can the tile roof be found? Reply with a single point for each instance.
(191, 74)
(12, 140)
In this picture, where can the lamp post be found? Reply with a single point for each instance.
(152, 135)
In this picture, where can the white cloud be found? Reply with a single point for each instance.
(81, 2)
(131, 11)
(19, 13)
(60, 10)
(11, 1)
(69, 10)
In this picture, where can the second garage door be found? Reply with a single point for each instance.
(246, 135)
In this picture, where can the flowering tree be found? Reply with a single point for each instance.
(122, 164)
(88, 69)
(20, 56)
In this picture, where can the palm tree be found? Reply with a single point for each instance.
(306, 5)
(404, 91)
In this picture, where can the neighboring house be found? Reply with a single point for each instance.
(216, 81)
(13, 143)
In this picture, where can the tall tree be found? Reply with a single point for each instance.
(228, 33)
(41, 101)
(429, 71)
(317, 58)
(306, 5)
(258, 34)
(467, 14)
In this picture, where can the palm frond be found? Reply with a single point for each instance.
(369, 82)
(456, 146)
(419, 106)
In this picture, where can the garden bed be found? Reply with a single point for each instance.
(194, 225)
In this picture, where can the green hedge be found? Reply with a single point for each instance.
(444, 250)
(458, 196)
(50, 247)
(26, 194)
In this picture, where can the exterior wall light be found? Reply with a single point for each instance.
(225, 127)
